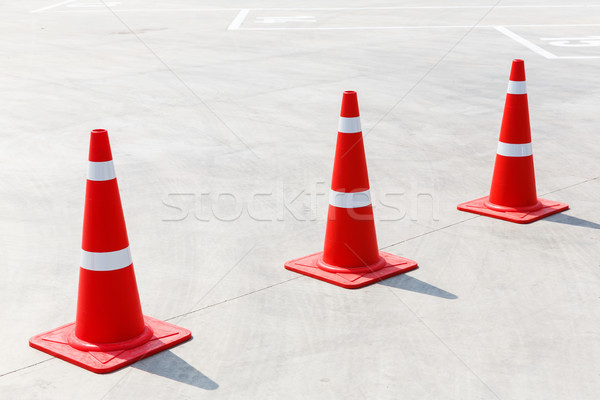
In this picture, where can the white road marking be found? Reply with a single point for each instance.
(149, 10)
(239, 19)
(52, 6)
(243, 13)
(578, 57)
(94, 5)
(587, 41)
(349, 28)
(425, 7)
(326, 8)
(283, 20)
(537, 49)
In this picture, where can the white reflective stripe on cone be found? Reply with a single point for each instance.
(516, 87)
(349, 125)
(350, 200)
(108, 261)
(101, 171)
(514, 150)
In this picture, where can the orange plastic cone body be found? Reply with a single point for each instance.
(513, 182)
(351, 257)
(513, 194)
(110, 330)
(350, 238)
(108, 306)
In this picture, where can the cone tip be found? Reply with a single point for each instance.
(349, 104)
(517, 72)
(99, 146)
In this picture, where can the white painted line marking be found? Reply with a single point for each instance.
(283, 20)
(425, 7)
(525, 42)
(151, 10)
(350, 28)
(52, 6)
(94, 5)
(340, 8)
(542, 25)
(587, 41)
(578, 57)
(235, 24)
(327, 8)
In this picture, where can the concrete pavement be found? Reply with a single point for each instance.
(222, 118)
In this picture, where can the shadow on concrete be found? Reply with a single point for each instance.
(168, 365)
(407, 282)
(570, 220)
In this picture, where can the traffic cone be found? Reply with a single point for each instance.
(110, 330)
(513, 194)
(350, 257)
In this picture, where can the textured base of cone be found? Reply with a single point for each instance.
(56, 342)
(394, 265)
(519, 216)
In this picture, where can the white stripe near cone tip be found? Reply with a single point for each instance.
(107, 261)
(349, 125)
(516, 87)
(101, 171)
(350, 200)
(514, 150)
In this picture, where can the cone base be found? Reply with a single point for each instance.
(526, 216)
(56, 343)
(394, 265)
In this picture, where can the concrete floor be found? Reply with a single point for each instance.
(223, 118)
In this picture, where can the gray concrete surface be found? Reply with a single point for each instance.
(222, 118)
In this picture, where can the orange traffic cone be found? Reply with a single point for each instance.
(350, 258)
(110, 330)
(513, 194)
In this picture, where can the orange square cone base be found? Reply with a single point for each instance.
(394, 265)
(162, 336)
(549, 207)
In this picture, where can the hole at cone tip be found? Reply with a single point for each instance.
(518, 60)
(99, 131)
(349, 92)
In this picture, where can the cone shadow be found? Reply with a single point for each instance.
(570, 220)
(411, 284)
(170, 366)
